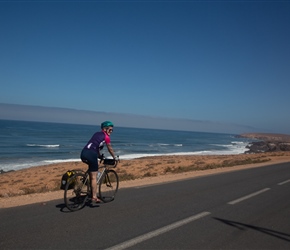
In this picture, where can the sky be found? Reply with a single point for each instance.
(224, 62)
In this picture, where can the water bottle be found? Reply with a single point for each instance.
(99, 175)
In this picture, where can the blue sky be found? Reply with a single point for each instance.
(218, 61)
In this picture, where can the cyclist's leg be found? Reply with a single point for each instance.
(93, 178)
(91, 158)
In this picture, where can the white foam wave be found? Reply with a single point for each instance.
(43, 145)
(18, 166)
(239, 142)
(230, 149)
(29, 164)
(61, 161)
(166, 144)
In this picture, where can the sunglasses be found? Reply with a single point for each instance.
(110, 130)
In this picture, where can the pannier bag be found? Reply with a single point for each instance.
(65, 178)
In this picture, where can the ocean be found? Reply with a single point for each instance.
(26, 144)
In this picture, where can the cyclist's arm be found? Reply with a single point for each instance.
(110, 149)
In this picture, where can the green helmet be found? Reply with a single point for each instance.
(107, 124)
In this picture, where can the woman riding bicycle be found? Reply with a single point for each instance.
(91, 153)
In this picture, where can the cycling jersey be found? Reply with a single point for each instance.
(97, 141)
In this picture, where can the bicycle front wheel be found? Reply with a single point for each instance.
(76, 192)
(108, 186)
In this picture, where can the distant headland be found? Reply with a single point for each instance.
(267, 142)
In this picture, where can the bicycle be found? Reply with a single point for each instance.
(78, 188)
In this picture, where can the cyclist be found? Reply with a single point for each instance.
(91, 153)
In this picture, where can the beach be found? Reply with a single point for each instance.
(42, 184)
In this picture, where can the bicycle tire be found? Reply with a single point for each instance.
(75, 198)
(108, 186)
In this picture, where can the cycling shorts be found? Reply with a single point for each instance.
(90, 157)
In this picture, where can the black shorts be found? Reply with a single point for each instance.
(90, 157)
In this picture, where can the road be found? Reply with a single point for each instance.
(247, 209)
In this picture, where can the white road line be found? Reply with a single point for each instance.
(157, 232)
(284, 182)
(248, 196)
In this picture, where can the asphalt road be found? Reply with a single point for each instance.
(248, 209)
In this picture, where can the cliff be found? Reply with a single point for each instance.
(267, 142)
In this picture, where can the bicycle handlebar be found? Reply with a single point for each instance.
(110, 161)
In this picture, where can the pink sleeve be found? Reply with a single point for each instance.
(107, 139)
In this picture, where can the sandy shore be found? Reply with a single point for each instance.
(41, 184)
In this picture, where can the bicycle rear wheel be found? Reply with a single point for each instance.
(77, 191)
(108, 186)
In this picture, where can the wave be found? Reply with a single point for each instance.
(43, 145)
(28, 164)
(239, 142)
(60, 161)
(166, 144)
(229, 151)
(17, 166)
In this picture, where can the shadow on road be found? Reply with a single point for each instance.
(64, 209)
(242, 226)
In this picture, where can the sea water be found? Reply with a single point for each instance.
(26, 144)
